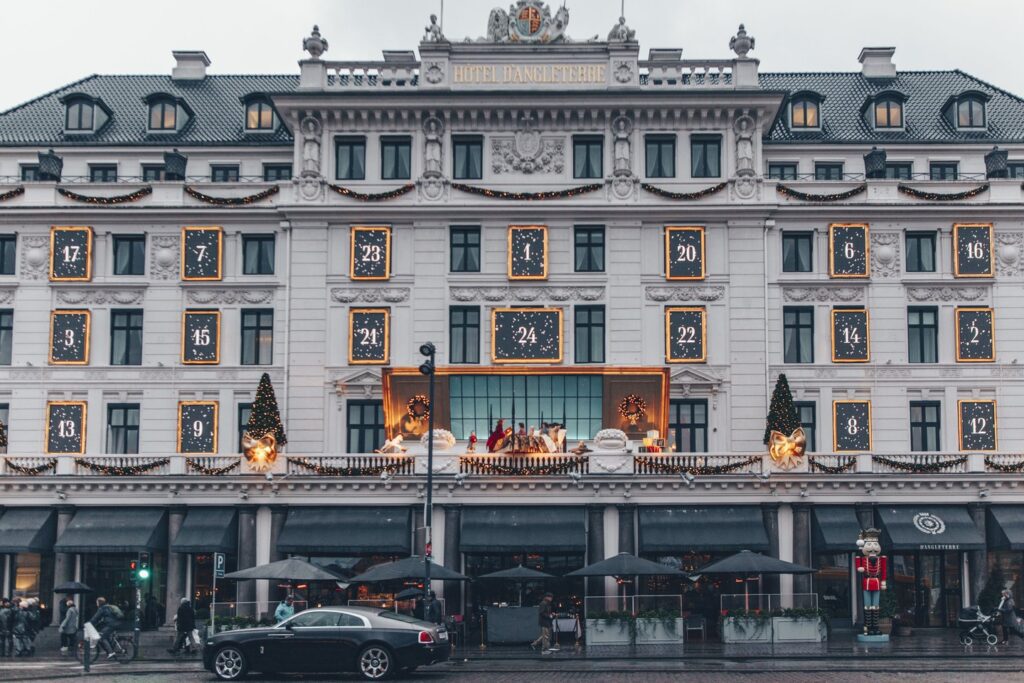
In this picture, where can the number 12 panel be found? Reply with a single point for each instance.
(977, 420)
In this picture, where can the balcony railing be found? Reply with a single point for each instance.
(137, 180)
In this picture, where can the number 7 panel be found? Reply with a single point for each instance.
(202, 250)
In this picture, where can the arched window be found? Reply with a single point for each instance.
(259, 115)
(163, 114)
(888, 113)
(79, 115)
(970, 113)
(803, 113)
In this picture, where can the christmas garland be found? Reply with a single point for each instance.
(124, 471)
(196, 466)
(108, 201)
(684, 196)
(11, 194)
(921, 468)
(565, 466)
(808, 197)
(329, 471)
(374, 196)
(832, 469)
(1014, 468)
(528, 196)
(703, 470)
(418, 407)
(47, 466)
(232, 201)
(941, 196)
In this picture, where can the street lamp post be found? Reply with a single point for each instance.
(427, 368)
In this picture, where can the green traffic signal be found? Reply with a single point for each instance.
(143, 573)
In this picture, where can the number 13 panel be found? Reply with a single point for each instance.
(65, 427)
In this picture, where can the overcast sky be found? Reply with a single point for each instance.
(47, 43)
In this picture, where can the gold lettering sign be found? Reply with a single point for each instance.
(529, 74)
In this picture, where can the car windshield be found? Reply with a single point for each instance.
(399, 617)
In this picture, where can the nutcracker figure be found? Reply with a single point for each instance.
(871, 567)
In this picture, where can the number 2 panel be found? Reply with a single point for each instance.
(977, 425)
(197, 427)
(201, 253)
(851, 425)
(200, 337)
(851, 334)
(848, 253)
(368, 332)
(685, 335)
(527, 252)
(684, 253)
(65, 427)
(370, 249)
(70, 253)
(972, 250)
(69, 337)
(975, 335)
(526, 335)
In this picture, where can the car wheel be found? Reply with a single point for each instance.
(376, 663)
(229, 664)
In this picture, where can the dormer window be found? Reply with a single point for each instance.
(167, 114)
(803, 113)
(84, 114)
(888, 113)
(259, 115)
(970, 113)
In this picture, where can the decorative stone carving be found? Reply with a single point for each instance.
(164, 257)
(527, 151)
(744, 128)
(842, 294)
(622, 70)
(433, 72)
(950, 372)
(500, 294)
(1007, 371)
(370, 295)
(824, 373)
(432, 187)
(311, 133)
(883, 372)
(1009, 247)
(745, 187)
(691, 293)
(433, 32)
(433, 130)
(229, 296)
(946, 293)
(741, 43)
(359, 383)
(622, 129)
(35, 256)
(885, 255)
(100, 297)
(315, 44)
(527, 21)
(7, 295)
(621, 33)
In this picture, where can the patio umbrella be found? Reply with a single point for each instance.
(747, 563)
(72, 587)
(625, 564)
(407, 568)
(409, 594)
(519, 575)
(292, 569)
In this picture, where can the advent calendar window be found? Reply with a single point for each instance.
(975, 335)
(70, 253)
(851, 425)
(69, 337)
(684, 253)
(65, 427)
(200, 337)
(370, 253)
(526, 335)
(369, 331)
(197, 427)
(851, 332)
(202, 253)
(527, 252)
(977, 419)
(848, 252)
(972, 250)
(685, 335)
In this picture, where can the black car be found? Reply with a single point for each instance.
(374, 643)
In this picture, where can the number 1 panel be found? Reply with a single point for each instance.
(527, 252)
(370, 253)
(975, 335)
(972, 250)
(200, 337)
(65, 427)
(526, 335)
(202, 250)
(849, 250)
(368, 336)
(197, 426)
(69, 337)
(977, 420)
(684, 253)
(851, 335)
(70, 253)
(851, 426)
(686, 335)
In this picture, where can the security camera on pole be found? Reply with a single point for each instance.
(427, 368)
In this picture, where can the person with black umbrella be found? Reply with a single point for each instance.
(68, 626)
(184, 622)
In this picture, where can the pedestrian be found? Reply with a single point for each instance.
(544, 620)
(34, 624)
(284, 609)
(6, 644)
(184, 622)
(20, 629)
(1008, 612)
(68, 627)
(105, 620)
(432, 609)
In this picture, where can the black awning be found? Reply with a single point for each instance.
(208, 530)
(673, 529)
(1004, 526)
(347, 531)
(114, 530)
(929, 527)
(835, 529)
(518, 529)
(28, 530)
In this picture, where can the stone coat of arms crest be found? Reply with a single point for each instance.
(527, 21)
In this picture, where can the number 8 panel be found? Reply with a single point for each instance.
(197, 426)
(851, 425)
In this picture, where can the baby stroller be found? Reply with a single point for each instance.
(975, 625)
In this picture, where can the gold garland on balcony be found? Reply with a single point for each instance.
(11, 194)
(330, 471)
(47, 466)
(197, 466)
(565, 466)
(809, 197)
(122, 471)
(702, 470)
(528, 196)
(1014, 468)
(107, 201)
(232, 201)
(942, 196)
(832, 469)
(684, 196)
(920, 468)
(373, 196)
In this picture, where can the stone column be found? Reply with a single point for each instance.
(175, 564)
(977, 560)
(595, 545)
(278, 515)
(419, 532)
(246, 590)
(770, 513)
(802, 545)
(63, 563)
(452, 556)
(627, 529)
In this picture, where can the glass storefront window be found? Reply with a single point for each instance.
(109, 575)
(701, 597)
(832, 583)
(568, 592)
(202, 585)
(33, 578)
(1010, 565)
(927, 586)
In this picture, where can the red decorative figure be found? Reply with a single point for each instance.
(472, 443)
(872, 567)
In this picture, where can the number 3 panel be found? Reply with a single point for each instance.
(975, 335)
(70, 253)
(849, 250)
(526, 335)
(851, 335)
(977, 421)
(65, 427)
(686, 335)
(527, 252)
(684, 253)
(851, 425)
(972, 250)
(370, 253)
(369, 330)
(197, 426)
(69, 337)
(201, 253)
(200, 337)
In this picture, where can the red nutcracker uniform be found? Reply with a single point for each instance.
(873, 570)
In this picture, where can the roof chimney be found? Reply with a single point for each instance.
(189, 65)
(876, 62)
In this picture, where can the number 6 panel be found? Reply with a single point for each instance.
(65, 427)
(851, 426)
(686, 335)
(200, 337)
(201, 253)
(197, 427)
(368, 336)
(70, 253)
(851, 334)
(370, 253)
(69, 337)
(975, 335)
(977, 420)
(848, 250)
(684, 253)
(527, 252)
(526, 335)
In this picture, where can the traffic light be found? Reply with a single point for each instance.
(133, 571)
(144, 571)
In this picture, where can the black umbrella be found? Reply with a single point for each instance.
(625, 564)
(409, 594)
(292, 569)
(520, 575)
(747, 563)
(408, 568)
(72, 587)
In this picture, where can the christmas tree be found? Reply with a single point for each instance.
(265, 418)
(782, 415)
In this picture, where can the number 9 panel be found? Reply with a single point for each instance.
(977, 419)
(684, 253)
(370, 253)
(65, 427)
(368, 336)
(197, 427)
(70, 253)
(685, 335)
(851, 425)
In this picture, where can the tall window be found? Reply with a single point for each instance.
(467, 157)
(123, 428)
(6, 335)
(8, 253)
(259, 115)
(103, 173)
(30, 172)
(589, 243)
(396, 158)
(350, 158)
(924, 425)
(797, 248)
(224, 174)
(923, 334)
(587, 156)
(244, 411)
(464, 334)
(126, 337)
(79, 115)
(688, 422)
(899, 170)
(5, 415)
(465, 249)
(944, 170)
(888, 113)
(258, 336)
(257, 254)
(365, 426)
(828, 171)
(706, 156)
(589, 334)
(1015, 169)
(807, 413)
(798, 334)
(129, 255)
(782, 171)
(163, 115)
(661, 156)
(970, 113)
(276, 172)
(920, 252)
(804, 113)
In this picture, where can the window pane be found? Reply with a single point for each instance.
(796, 252)
(351, 159)
(8, 253)
(6, 336)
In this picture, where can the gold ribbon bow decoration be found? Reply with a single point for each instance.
(260, 453)
(787, 451)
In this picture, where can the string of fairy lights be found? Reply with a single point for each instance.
(34, 470)
(200, 468)
(655, 465)
(818, 466)
(365, 471)
(372, 196)
(684, 196)
(232, 201)
(1007, 468)
(633, 408)
(567, 193)
(921, 467)
(107, 201)
(122, 470)
(787, 191)
(942, 196)
(11, 194)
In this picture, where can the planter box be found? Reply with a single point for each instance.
(797, 630)
(607, 632)
(743, 630)
(659, 631)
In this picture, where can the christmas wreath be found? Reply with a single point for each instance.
(418, 407)
(633, 408)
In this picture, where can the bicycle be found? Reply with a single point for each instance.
(125, 649)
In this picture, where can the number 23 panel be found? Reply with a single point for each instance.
(370, 249)
(686, 334)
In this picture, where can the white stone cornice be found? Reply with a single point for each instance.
(946, 293)
(228, 296)
(99, 296)
(823, 293)
(535, 293)
(684, 293)
(370, 295)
